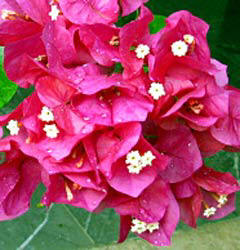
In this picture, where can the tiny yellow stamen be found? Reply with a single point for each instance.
(114, 41)
(68, 192)
(80, 163)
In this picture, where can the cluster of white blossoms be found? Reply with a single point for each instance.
(156, 90)
(50, 129)
(13, 127)
(137, 162)
(54, 13)
(221, 200)
(180, 48)
(142, 51)
(141, 226)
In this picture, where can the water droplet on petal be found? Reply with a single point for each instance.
(86, 118)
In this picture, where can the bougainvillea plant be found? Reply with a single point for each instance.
(119, 118)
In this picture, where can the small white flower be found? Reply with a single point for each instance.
(147, 159)
(156, 90)
(142, 51)
(134, 169)
(6, 13)
(46, 115)
(13, 127)
(54, 13)
(189, 39)
(141, 226)
(152, 226)
(209, 212)
(222, 201)
(179, 48)
(133, 158)
(51, 131)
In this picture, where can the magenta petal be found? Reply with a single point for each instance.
(227, 129)
(128, 6)
(131, 184)
(9, 176)
(100, 11)
(125, 226)
(215, 181)
(167, 226)
(113, 145)
(184, 189)
(181, 146)
(37, 9)
(131, 108)
(148, 207)
(18, 200)
(53, 92)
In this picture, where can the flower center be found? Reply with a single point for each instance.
(13, 126)
(51, 131)
(156, 90)
(179, 48)
(114, 41)
(137, 162)
(46, 115)
(195, 106)
(189, 39)
(142, 51)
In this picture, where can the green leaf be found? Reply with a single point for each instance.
(126, 19)
(2, 157)
(224, 236)
(157, 24)
(118, 68)
(17, 98)
(62, 227)
(7, 88)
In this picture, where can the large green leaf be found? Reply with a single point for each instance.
(7, 88)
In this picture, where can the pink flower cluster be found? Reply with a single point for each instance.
(119, 118)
